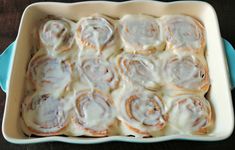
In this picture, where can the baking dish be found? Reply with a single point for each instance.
(13, 64)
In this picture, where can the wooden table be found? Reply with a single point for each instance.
(10, 14)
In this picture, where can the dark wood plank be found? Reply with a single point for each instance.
(10, 14)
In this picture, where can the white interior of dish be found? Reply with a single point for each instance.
(219, 94)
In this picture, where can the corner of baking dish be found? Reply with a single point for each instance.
(77, 140)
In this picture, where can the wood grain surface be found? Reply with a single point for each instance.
(10, 14)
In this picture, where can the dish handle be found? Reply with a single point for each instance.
(5, 66)
(230, 53)
(6, 58)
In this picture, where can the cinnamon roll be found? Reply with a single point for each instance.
(190, 114)
(185, 72)
(98, 73)
(56, 35)
(142, 112)
(44, 115)
(185, 33)
(48, 74)
(94, 112)
(95, 31)
(141, 34)
(139, 69)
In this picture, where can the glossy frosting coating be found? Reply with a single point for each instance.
(135, 75)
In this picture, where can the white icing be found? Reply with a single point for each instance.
(189, 114)
(90, 116)
(139, 69)
(183, 70)
(95, 31)
(57, 34)
(94, 110)
(83, 78)
(44, 114)
(49, 74)
(99, 73)
(142, 110)
(183, 32)
(143, 114)
(140, 33)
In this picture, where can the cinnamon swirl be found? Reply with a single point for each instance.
(141, 34)
(95, 112)
(139, 69)
(98, 73)
(185, 72)
(190, 114)
(142, 112)
(56, 35)
(48, 74)
(184, 33)
(95, 31)
(44, 115)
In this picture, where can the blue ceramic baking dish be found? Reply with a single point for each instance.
(220, 56)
